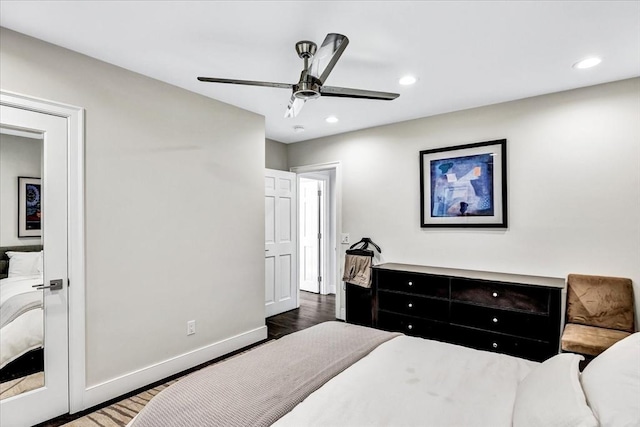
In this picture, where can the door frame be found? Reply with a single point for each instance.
(335, 167)
(76, 238)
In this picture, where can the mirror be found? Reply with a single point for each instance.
(21, 262)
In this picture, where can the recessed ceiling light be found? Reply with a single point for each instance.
(331, 119)
(407, 80)
(298, 128)
(587, 63)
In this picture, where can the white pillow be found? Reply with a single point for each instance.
(24, 263)
(611, 383)
(551, 395)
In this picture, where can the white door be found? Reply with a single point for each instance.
(51, 397)
(310, 193)
(281, 287)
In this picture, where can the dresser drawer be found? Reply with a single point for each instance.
(436, 286)
(501, 295)
(412, 325)
(413, 305)
(498, 320)
(501, 343)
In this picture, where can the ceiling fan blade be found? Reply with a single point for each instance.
(295, 106)
(326, 57)
(344, 92)
(245, 82)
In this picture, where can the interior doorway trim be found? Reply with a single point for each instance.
(76, 249)
(337, 167)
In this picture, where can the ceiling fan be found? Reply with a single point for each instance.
(313, 76)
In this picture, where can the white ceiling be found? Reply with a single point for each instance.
(465, 54)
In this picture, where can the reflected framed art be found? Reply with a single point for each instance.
(29, 207)
(464, 185)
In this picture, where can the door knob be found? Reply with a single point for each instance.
(54, 285)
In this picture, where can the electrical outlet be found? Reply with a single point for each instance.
(345, 239)
(191, 327)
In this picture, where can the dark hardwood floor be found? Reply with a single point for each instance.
(313, 309)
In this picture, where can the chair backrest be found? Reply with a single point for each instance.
(606, 302)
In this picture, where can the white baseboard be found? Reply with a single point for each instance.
(115, 387)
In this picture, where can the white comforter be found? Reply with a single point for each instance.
(411, 381)
(24, 333)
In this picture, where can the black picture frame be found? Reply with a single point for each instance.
(29, 207)
(464, 186)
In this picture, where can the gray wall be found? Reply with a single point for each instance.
(19, 156)
(573, 183)
(276, 155)
(174, 207)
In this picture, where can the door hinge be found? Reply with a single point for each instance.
(319, 236)
(319, 192)
(319, 278)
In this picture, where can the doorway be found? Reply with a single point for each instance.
(316, 223)
(319, 220)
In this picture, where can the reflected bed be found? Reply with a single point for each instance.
(21, 314)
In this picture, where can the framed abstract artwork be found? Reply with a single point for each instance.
(464, 186)
(29, 207)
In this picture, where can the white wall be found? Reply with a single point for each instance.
(276, 155)
(174, 208)
(573, 185)
(19, 156)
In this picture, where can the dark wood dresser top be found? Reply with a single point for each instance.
(554, 282)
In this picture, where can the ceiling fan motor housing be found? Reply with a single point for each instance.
(306, 90)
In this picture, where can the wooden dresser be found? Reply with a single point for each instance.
(507, 313)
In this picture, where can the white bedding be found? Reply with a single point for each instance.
(23, 333)
(411, 381)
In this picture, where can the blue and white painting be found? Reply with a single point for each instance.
(462, 186)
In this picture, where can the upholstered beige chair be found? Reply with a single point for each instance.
(599, 313)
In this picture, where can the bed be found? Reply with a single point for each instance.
(21, 312)
(337, 374)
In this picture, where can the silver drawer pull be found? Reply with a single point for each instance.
(410, 327)
(410, 283)
(495, 294)
(495, 320)
(410, 305)
(494, 345)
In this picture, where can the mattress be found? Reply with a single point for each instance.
(410, 381)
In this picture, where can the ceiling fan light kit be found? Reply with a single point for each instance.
(318, 64)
